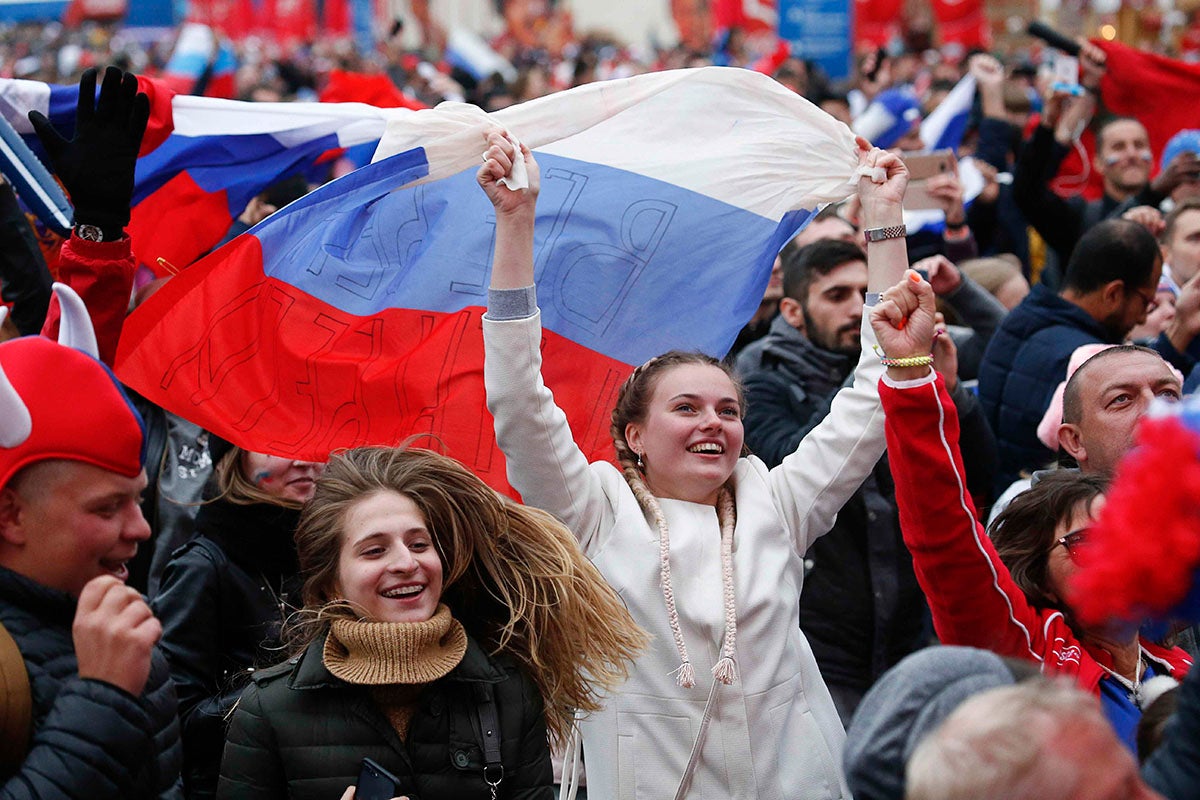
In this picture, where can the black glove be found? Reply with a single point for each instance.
(96, 167)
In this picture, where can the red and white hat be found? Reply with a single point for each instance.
(59, 401)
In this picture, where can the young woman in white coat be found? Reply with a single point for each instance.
(705, 546)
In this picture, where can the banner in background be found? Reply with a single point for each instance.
(963, 22)
(820, 31)
(876, 22)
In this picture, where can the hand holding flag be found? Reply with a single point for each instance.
(499, 161)
(97, 165)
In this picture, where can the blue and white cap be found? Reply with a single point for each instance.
(890, 116)
(1186, 140)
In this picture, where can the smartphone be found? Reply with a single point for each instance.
(1066, 74)
(375, 783)
(921, 168)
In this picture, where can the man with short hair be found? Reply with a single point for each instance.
(861, 608)
(1037, 740)
(1104, 400)
(104, 721)
(1181, 242)
(1109, 284)
(1123, 159)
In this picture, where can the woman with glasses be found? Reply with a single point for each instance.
(1007, 590)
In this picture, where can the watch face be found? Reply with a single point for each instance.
(90, 232)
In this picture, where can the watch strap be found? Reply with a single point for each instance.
(882, 234)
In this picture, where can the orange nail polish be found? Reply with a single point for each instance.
(913, 276)
(901, 324)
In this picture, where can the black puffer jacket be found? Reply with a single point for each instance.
(299, 733)
(222, 603)
(91, 740)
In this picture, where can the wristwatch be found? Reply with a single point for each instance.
(881, 234)
(92, 233)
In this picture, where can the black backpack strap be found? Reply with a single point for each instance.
(489, 730)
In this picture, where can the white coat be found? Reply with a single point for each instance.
(775, 734)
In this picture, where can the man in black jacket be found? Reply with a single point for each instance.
(103, 709)
(102, 721)
(861, 607)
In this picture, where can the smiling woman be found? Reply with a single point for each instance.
(445, 628)
(388, 567)
(224, 596)
(704, 542)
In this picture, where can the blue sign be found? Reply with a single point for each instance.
(820, 31)
(33, 10)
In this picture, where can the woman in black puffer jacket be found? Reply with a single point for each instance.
(445, 628)
(224, 596)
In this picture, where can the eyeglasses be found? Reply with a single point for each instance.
(1075, 541)
(1149, 301)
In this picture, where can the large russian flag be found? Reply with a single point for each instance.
(353, 316)
(203, 158)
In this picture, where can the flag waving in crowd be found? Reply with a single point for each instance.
(352, 317)
(204, 158)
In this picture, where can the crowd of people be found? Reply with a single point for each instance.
(834, 562)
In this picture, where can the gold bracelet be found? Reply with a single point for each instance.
(910, 361)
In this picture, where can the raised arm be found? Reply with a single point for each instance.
(831, 462)
(971, 594)
(97, 168)
(543, 462)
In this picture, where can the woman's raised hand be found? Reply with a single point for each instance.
(498, 160)
(882, 203)
(903, 321)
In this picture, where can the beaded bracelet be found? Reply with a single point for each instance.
(910, 361)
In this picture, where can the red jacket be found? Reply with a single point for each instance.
(102, 274)
(970, 592)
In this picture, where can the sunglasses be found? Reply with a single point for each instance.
(1075, 541)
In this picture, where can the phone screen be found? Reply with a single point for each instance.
(921, 168)
(375, 783)
(1066, 70)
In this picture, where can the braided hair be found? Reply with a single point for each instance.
(633, 403)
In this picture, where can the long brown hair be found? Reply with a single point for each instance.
(514, 576)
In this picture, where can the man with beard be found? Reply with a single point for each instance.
(861, 608)
(1109, 285)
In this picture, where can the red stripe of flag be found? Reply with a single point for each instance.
(250, 332)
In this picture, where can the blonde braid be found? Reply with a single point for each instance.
(685, 676)
(629, 408)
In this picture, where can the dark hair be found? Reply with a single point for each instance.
(1113, 250)
(1107, 123)
(1191, 204)
(813, 260)
(633, 399)
(1023, 533)
(1072, 403)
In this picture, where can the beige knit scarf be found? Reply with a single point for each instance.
(387, 653)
